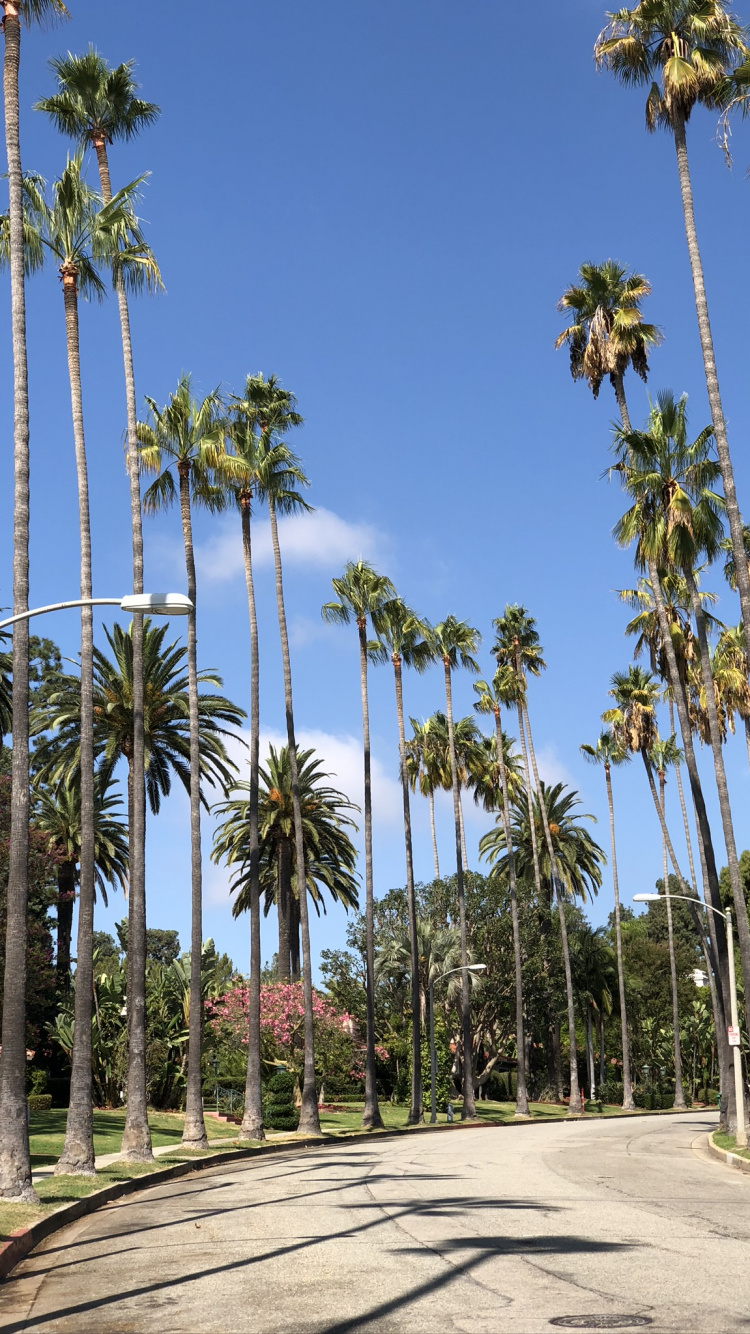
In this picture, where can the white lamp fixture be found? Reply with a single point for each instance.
(158, 604)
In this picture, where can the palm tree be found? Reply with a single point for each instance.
(405, 638)
(272, 411)
(97, 105)
(730, 673)
(454, 643)
(470, 759)
(490, 701)
(517, 647)
(423, 768)
(439, 952)
(662, 754)
(607, 332)
(361, 596)
(187, 435)
(592, 965)
(15, 1164)
(676, 520)
(6, 690)
(57, 813)
(684, 52)
(607, 752)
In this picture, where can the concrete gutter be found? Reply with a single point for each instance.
(726, 1156)
(25, 1239)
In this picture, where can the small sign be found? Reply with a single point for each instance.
(733, 1036)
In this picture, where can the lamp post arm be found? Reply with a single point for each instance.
(60, 606)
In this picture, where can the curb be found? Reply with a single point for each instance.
(726, 1156)
(25, 1239)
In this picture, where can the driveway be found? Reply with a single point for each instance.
(483, 1231)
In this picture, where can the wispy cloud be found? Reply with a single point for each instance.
(321, 539)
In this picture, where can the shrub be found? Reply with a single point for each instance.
(611, 1092)
(39, 1102)
(279, 1111)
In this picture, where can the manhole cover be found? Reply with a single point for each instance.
(600, 1321)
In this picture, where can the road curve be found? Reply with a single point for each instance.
(481, 1231)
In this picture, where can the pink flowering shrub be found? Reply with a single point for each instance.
(339, 1051)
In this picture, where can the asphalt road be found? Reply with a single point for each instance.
(484, 1231)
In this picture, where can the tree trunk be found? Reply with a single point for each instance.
(522, 1100)
(371, 1119)
(464, 853)
(436, 863)
(194, 1130)
(66, 897)
(468, 1108)
(712, 379)
(15, 1164)
(309, 1121)
(627, 1086)
(416, 1114)
(575, 1098)
(252, 1120)
(136, 1139)
(679, 1092)
(602, 1063)
(78, 1149)
(590, 1053)
(294, 934)
(738, 894)
(284, 906)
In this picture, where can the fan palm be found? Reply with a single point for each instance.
(518, 651)
(730, 671)
(490, 701)
(454, 644)
(684, 52)
(186, 435)
(607, 332)
(361, 594)
(15, 1164)
(271, 410)
(676, 520)
(607, 752)
(405, 638)
(57, 813)
(423, 769)
(97, 105)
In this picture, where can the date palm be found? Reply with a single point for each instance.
(361, 594)
(607, 752)
(517, 648)
(454, 643)
(607, 332)
(406, 639)
(15, 1164)
(186, 436)
(491, 701)
(97, 105)
(685, 52)
(578, 859)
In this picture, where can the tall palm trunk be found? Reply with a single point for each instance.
(522, 1100)
(590, 1052)
(294, 934)
(284, 853)
(679, 1092)
(709, 872)
(136, 1139)
(627, 1087)
(738, 895)
(252, 1120)
(435, 862)
(309, 1121)
(575, 1097)
(66, 896)
(78, 1150)
(15, 1164)
(554, 1067)
(371, 1118)
(712, 379)
(194, 1130)
(468, 1108)
(464, 853)
(416, 1113)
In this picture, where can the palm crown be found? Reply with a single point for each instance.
(404, 635)
(606, 750)
(362, 593)
(187, 435)
(607, 332)
(95, 101)
(578, 857)
(683, 51)
(455, 642)
(259, 463)
(57, 813)
(633, 719)
(517, 638)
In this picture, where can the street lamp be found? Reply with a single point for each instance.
(470, 968)
(733, 1033)
(157, 604)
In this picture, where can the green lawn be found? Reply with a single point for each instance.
(47, 1132)
(723, 1141)
(494, 1112)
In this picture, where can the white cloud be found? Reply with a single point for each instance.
(551, 768)
(320, 538)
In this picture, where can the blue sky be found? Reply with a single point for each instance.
(381, 203)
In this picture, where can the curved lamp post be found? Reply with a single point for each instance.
(156, 604)
(470, 968)
(733, 1033)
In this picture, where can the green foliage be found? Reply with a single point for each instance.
(279, 1111)
(39, 1102)
(444, 1090)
